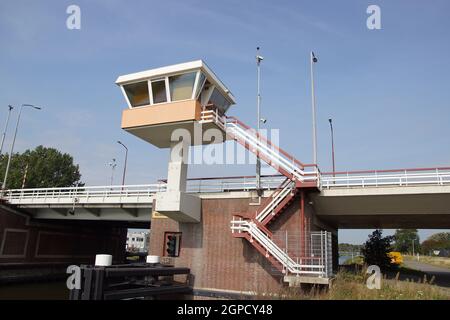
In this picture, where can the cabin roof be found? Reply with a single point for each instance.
(174, 69)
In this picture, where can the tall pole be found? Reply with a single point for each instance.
(113, 165)
(6, 128)
(24, 180)
(14, 141)
(332, 146)
(125, 163)
(258, 120)
(313, 105)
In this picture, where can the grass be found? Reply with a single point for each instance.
(351, 285)
(435, 261)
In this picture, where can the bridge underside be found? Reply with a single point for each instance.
(397, 207)
(120, 214)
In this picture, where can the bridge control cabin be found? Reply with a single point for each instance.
(164, 99)
(162, 102)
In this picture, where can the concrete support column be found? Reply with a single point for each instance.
(175, 203)
(177, 171)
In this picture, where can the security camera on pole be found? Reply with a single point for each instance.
(313, 102)
(259, 120)
(113, 165)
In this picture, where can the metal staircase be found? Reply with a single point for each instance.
(261, 239)
(278, 201)
(262, 148)
(254, 229)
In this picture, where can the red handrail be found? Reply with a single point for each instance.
(266, 201)
(287, 155)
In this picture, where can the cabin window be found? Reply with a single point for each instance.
(137, 94)
(159, 91)
(181, 86)
(219, 100)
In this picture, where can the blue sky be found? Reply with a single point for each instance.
(388, 90)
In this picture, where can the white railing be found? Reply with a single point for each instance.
(276, 200)
(142, 193)
(320, 269)
(225, 184)
(387, 178)
(80, 195)
(259, 146)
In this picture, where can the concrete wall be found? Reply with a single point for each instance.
(219, 261)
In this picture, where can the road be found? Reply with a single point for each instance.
(441, 274)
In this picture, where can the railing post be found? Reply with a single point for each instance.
(321, 249)
(376, 178)
(326, 253)
(287, 254)
(439, 179)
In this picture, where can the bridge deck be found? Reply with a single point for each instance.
(342, 193)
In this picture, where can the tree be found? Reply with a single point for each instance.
(404, 239)
(437, 241)
(376, 250)
(40, 168)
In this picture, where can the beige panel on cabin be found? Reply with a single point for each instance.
(163, 113)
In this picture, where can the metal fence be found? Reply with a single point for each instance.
(307, 249)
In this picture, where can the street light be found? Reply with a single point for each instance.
(125, 165)
(14, 141)
(332, 146)
(258, 118)
(313, 103)
(6, 128)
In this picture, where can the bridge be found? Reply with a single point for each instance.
(293, 226)
(356, 199)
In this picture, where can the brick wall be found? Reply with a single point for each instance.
(217, 260)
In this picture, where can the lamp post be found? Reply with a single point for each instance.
(14, 141)
(125, 164)
(332, 146)
(313, 105)
(6, 128)
(258, 115)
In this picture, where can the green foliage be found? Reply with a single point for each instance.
(404, 239)
(376, 250)
(437, 241)
(40, 168)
